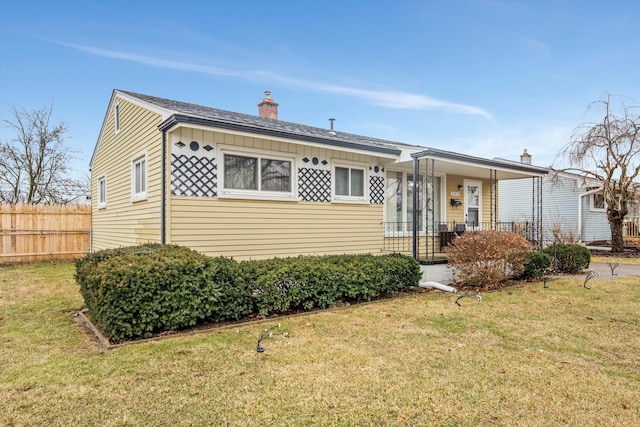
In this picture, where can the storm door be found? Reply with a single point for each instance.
(473, 204)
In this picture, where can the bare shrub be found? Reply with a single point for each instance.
(564, 233)
(482, 258)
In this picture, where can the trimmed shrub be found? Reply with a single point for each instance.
(570, 258)
(134, 292)
(137, 291)
(308, 282)
(482, 258)
(295, 283)
(536, 264)
(235, 281)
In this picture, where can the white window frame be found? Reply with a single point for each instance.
(234, 193)
(116, 114)
(137, 159)
(102, 191)
(405, 191)
(364, 199)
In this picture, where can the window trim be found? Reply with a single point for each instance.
(232, 193)
(142, 195)
(364, 199)
(102, 193)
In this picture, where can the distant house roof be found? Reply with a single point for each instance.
(184, 112)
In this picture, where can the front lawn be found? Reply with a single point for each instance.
(522, 356)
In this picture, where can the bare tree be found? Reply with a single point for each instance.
(34, 165)
(608, 151)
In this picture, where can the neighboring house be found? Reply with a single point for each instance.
(573, 207)
(244, 186)
(82, 199)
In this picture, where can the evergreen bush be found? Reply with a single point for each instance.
(536, 264)
(570, 258)
(135, 292)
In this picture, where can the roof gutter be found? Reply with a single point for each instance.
(179, 118)
(471, 160)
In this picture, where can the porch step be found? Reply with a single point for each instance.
(433, 261)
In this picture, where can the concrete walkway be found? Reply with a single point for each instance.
(437, 273)
(442, 274)
(603, 272)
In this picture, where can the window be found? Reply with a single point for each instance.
(139, 177)
(102, 192)
(349, 184)
(261, 176)
(399, 201)
(117, 117)
(597, 202)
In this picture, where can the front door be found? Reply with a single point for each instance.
(472, 204)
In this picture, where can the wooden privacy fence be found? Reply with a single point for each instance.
(43, 232)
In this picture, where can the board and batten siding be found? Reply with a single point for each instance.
(123, 222)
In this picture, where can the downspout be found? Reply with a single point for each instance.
(163, 201)
(491, 199)
(433, 207)
(540, 232)
(414, 230)
(580, 196)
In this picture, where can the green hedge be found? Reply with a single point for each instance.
(137, 291)
(570, 258)
(304, 283)
(536, 264)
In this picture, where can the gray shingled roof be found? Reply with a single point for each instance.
(258, 123)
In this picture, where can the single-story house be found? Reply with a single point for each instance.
(573, 207)
(254, 186)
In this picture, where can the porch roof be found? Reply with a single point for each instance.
(449, 162)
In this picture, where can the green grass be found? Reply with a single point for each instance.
(523, 356)
(614, 259)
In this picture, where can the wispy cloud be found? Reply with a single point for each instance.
(395, 99)
(536, 45)
(383, 98)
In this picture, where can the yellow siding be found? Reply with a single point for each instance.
(122, 222)
(257, 229)
(246, 229)
(457, 213)
(454, 213)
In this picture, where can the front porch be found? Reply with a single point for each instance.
(432, 248)
(432, 196)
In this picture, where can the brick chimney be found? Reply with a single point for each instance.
(525, 157)
(267, 108)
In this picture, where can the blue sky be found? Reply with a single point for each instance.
(483, 77)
